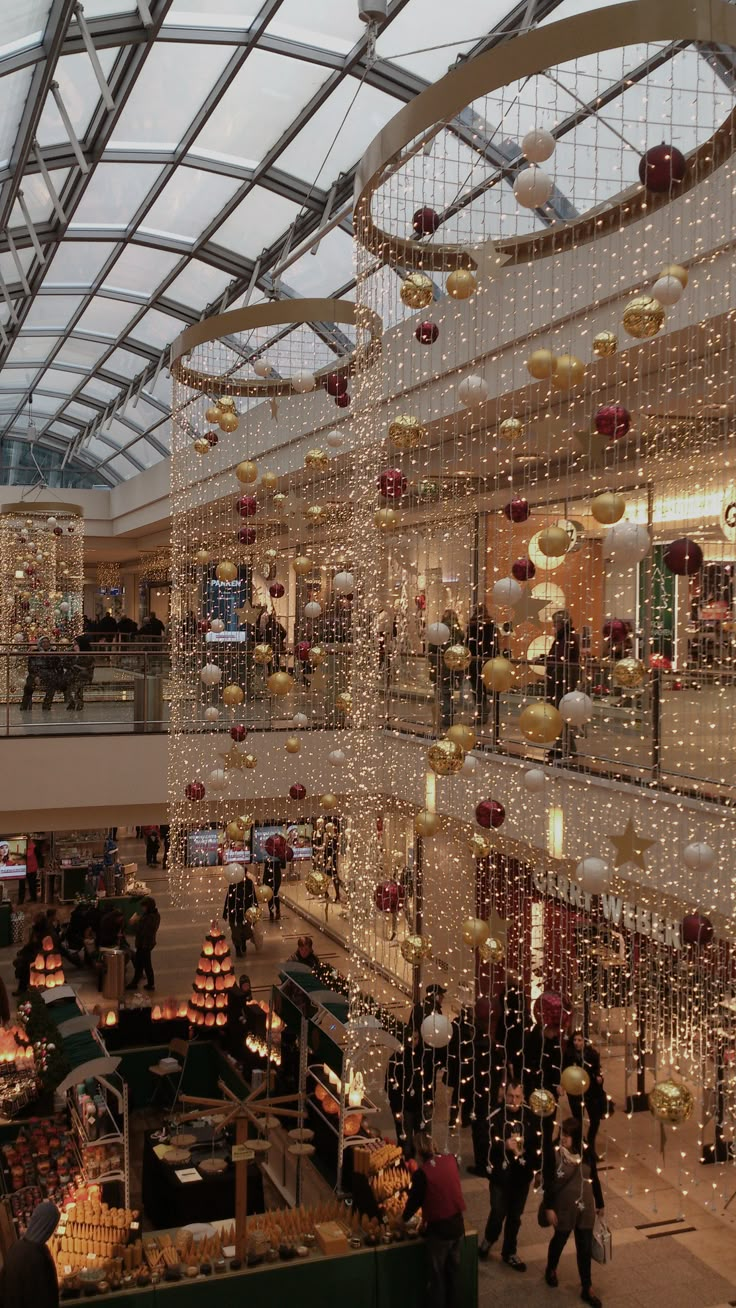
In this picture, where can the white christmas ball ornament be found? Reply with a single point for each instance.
(337, 757)
(234, 872)
(218, 779)
(506, 592)
(592, 873)
(668, 290)
(472, 390)
(534, 780)
(626, 543)
(438, 633)
(210, 674)
(436, 1031)
(538, 145)
(52, 522)
(18, 638)
(532, 187)
(576, 708)
(312, 609)
(304, 382)
(344, 583)
(334, 439)
(261, 368)
(64, 606)
(217, 625)
(699, 857)
(469, 765)
(212, 714)
(300, 720)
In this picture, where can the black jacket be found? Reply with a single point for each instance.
(482, 640)
(542, 1062)
(507, 1168)
(241, 895)
(28, 1278)
(590, 1059)
(562, 668)
(146, 929)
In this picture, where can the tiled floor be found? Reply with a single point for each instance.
(674, 1243)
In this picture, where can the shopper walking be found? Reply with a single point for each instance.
(562, 673)
(483, 645)
(241, 895)
(514, 1158)
(146, 930)
(153, 842)
(572, 1197)
(435, 1188)
(272, 878)
(45, 672)
(579, 1053)
(79, 671)
(444, 679)
(28, 1276)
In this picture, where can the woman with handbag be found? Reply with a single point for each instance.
(572, 1197)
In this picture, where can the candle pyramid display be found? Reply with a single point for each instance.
(213, 979)
(46, 969)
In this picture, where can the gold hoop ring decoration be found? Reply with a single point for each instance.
(279, 313)
(590, 33)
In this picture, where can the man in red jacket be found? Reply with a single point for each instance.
(435, 1189)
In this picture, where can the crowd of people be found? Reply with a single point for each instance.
(82, 939)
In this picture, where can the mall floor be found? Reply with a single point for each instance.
(674, 1243)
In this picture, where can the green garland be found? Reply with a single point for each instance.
(52, 1064)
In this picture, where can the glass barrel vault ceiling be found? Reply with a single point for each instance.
(228, 132)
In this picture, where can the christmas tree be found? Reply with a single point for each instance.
(46, 969)
(214, 977)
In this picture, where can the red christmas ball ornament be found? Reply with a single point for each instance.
(388, 897)
(420, 602)
(522, 570)
(517, 510)
(427, 333)
(662, 168)
(195, 790)
(392, 484)
(551, 1009)
(211, 437)
(336, 383)
(615, 630)
(683, 557)
(660, 663)
(303, 650)
(490, 813)
(342, 401)
(425, 221)
(677, 685)
(58, 531)
(298, 791)
(697, 929)
(247, 535)
(276, 846)
(203, 625)
(276, 590)
(239, 732)
(612, 420)
(246, 506)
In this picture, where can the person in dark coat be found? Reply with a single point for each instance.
(28, 1277)
(514, 1157)
(146, 930)
(444, 679)
(304, 953)
(405, 1090)
(241, 895)
(272, 878)
(44, 671)
(578, 1052)
(562, 673)
(128, 630)
(79, 671)
(483, 645)
(572, 1197)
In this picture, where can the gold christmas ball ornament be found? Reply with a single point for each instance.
(293, 744)
(605, 344)
(246, 472)
(213, 414)
(386, 519)
(643, 317)
(253, 915)
(553, 542)
(629, 674)
(279, 499)
(232, 695)
(226, 571)
(316, 514)
(498, 674)
(328, 801)
(541, 364)
(344, 702)
(201, 445)
(540, 723)
(491, 950)
(407, 432)
(478, 846)
(569, 371)
(676, 270)
(202, 557)
(510, 429)
(262, 654)
(671, 1102)
(445, 757)
(235, 830)
(268, 481)
(263, 894)
(279, 683)
(317, 460)
(426, 823)
(457, 658)
(475, 931)
(414, 949)
(229, 422)
(461, 284)
(608, 507)
(416, 291)
(270, 555)
(543, 1103)
(226, 402)
(302, 565)
(463, 735)
(317, 655)
(317, 883)
(575, 1080)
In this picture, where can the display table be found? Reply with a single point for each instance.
(168, 1201)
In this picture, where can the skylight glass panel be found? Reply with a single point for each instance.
(189, 203)
(223, 13)
(108, 317)
(685, 95)
(100, 390)
(330, 24)
(156, 328)
(24, 24)
(140, 268)
(454, 28)
(7, 263)
(14, 88)
(108, 8)
(157, 114)
(198, 285)
(80, 94)
(125, 363)
(77, 263)
(82, 411)
(14, 379)
(63, 429)
(312, 154)
(37, 199)
(329, 268)
(258, 107)
(122, 467)
(115, 194)
(142, 414)
(61, 379)
(144, 453)
(52, 310)
(256, 222)
(27, 348)
(592, 164)
(98, 446)
(76, 351)
(44, 403)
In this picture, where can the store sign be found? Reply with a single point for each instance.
(616, 911)
(728, 514)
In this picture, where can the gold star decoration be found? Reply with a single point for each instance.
(528, 609)
(247, 613)
(630, 847)
(489, 260)
(234, 759)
